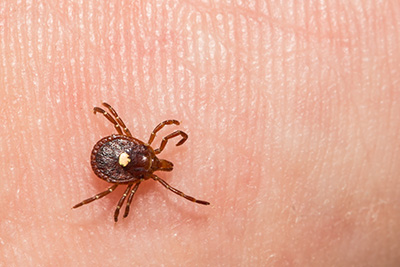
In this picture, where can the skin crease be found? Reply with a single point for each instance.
(292, 112)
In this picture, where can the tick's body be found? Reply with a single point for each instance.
(123, 159)
(140, 160)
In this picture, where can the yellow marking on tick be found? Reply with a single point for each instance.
(124, 159)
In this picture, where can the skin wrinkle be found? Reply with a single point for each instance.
(292, 115)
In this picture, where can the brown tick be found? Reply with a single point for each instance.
(122, 159)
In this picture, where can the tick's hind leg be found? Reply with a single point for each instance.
(98, 196)
(176, 191)
(118, 119)
(109, 117)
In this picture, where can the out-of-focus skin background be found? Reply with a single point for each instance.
(292, 111)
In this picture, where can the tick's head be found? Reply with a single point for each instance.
(161, 165)
(166, 165)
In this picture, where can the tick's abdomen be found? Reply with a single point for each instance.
(106, 159)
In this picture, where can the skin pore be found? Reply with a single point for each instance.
(293, 116)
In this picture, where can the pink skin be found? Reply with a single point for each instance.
(292, 112)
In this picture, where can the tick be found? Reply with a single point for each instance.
(121, 159)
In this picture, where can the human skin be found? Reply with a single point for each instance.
(292, 112)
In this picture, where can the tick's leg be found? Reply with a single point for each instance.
(159, 127)
(121, 202)
(100, 195)
(130, 199)
(171, 135)
(176, 191)
(109, 117)
(118, 119)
